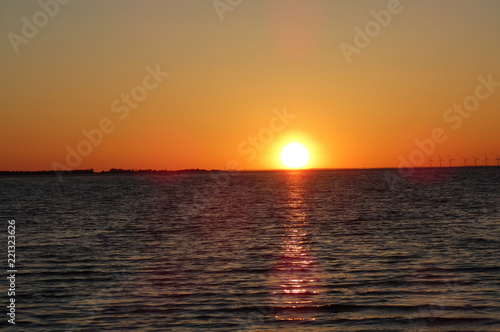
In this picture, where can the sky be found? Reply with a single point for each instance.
(228, 83)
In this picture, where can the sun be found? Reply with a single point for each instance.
(294, 155)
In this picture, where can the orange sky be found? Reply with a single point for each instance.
(228, 79)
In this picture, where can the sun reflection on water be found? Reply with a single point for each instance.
(295, 279)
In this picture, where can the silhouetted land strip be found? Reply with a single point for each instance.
(111, 171)
(198, 170)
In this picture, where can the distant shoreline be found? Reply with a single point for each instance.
(111, 171)
(114, 171)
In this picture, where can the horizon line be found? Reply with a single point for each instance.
(193, 170)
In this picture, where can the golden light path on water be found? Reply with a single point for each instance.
(295, 280)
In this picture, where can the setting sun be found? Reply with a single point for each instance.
(294, 155)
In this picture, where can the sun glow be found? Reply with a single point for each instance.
(294, 155)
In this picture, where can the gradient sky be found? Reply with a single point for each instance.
(227, 76)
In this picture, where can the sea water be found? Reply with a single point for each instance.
(338, 250)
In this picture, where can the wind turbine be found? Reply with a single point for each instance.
(475, 160)
(486, 160)
(450, 160)
(498, 159)
(430, 161)
(440, 160)
(465, 161)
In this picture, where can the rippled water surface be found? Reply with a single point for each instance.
(346, 250)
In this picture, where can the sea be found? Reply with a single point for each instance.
(308, 250)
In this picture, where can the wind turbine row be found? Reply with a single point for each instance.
(465, 161)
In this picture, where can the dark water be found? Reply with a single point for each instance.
(257, 251)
